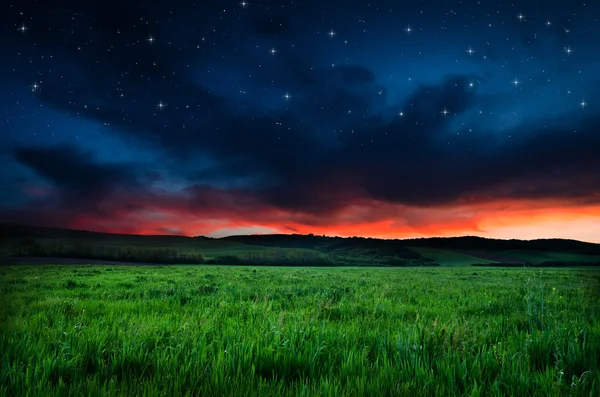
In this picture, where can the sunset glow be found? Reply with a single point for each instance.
(504, 220)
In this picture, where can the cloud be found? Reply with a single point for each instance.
(81, 183)
(290, 162)
(336, 153)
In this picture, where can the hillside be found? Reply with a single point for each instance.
(12, 234)
(297, 249)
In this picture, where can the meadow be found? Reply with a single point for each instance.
(237, 331)
(21, 241)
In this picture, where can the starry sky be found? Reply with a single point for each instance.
(382, 118)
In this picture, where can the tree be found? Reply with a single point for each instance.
(27, 247)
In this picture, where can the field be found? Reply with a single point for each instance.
(18, 241)
(450, 258)
(238, 331)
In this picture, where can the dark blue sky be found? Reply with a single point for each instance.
(374, 118)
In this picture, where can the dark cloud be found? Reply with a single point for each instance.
(338, 141)
(297, 166)
(80, 181)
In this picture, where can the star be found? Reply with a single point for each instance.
(331, 33)
(568, 50)
(521, 16)
(408, 29)
(160, 105)
(151, 40)
(470, 51)
(583, 104)
(471, 84)
(445, 112)
(287, 96)
(401, 114)
(273, 51)
(548, 23)
(516, 82)
(243, 4)
(35, 87)
(22, 28)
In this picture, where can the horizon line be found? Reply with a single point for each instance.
(5, 224)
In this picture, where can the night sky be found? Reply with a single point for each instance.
(386, 118)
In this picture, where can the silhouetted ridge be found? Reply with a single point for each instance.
(330, 244)
(486, 244)
(297, 249)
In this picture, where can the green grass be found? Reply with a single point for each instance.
(238, 331)
(456, 258)
(532, 256)
(450, 258)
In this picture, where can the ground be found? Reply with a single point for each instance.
(220, 330)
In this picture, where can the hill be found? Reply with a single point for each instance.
(488, 244)
(10, 235)
(295, 249)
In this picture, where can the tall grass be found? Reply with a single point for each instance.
(236, 331)
(535, 301)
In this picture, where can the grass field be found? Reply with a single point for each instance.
(537, 256)
(238, 331)
(450, 258)
(446, 257)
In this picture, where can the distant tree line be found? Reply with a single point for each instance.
(334, 245)
(30, 247)
(472, 243)
(276, 258)
(271, 257)
(291, 257)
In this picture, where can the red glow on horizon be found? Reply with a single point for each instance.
(502, 219)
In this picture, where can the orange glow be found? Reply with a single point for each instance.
(505, 219)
